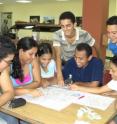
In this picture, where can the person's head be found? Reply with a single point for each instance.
(113, 67)
(13, 37)
(45, 54)
(67, 21)
(27, 48)
(112, 28)
(83, 54)
(7, 51)
(26, 52)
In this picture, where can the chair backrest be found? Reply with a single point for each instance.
(106, 77)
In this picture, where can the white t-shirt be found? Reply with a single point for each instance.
(51, 70)
(112, 85)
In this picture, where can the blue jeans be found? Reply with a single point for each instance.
(2, 121)
(11, 120)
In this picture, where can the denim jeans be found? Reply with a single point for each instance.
(8, 118)
(2, 121)
(11, 120)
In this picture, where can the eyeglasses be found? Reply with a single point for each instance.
(8, 62)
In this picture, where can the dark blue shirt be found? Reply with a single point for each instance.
(92, 72)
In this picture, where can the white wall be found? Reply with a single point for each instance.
(23, 12)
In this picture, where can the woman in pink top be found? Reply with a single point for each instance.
(25, 72)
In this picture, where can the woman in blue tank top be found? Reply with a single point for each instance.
(25, 73)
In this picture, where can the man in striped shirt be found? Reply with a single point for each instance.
(66, 40)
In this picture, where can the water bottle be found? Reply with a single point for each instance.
(69, 80)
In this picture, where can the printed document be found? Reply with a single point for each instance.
(58, 98)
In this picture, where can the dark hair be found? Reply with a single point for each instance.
(25, 43)
(112, 20)
(67, 15)
(44, 48)
(6, 47)
(114, 60)
(84, 47)
(11, 35)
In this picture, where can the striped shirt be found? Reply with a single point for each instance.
(68, 49)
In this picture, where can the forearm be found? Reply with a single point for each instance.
(90, 89)
(32, 85)
(59, 68)
(58, 63)
(111, 93)
(87, 84)
(5, 97)
(21, 91)
(97, 90)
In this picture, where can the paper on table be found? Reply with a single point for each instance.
(54, 98)
(58, 98)
(95, 101)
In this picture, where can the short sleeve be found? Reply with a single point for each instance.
(88, 38)
(112, 85)
(56, 39)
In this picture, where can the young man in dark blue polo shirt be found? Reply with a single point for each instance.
(85, 69)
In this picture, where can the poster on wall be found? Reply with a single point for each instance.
(48, 20)
(35, 19)
(6, 22)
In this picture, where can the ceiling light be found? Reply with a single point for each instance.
(23, 1)
(1, 3)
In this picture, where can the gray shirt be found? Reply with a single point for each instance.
(68, 49)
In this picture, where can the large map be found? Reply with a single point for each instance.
(58, 98)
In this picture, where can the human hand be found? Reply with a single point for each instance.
(45, 83)
(60, 82)
(73, 86)
(35, 92)
(110, 93)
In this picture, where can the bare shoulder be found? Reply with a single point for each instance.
(6, 71)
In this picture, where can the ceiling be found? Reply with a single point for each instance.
(33, 1)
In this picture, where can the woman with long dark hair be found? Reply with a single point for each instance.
(25, 72)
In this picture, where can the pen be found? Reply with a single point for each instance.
(81, 97)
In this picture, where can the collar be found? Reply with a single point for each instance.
(110, 41)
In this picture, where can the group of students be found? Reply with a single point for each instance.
(31, 65)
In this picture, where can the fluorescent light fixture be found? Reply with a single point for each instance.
(23, 1)
(1, 3)
(28, 27)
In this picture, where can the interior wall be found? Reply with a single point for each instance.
(22, 12)
(112, 7)
(116, 7)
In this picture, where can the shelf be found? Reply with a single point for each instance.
(36, 27)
